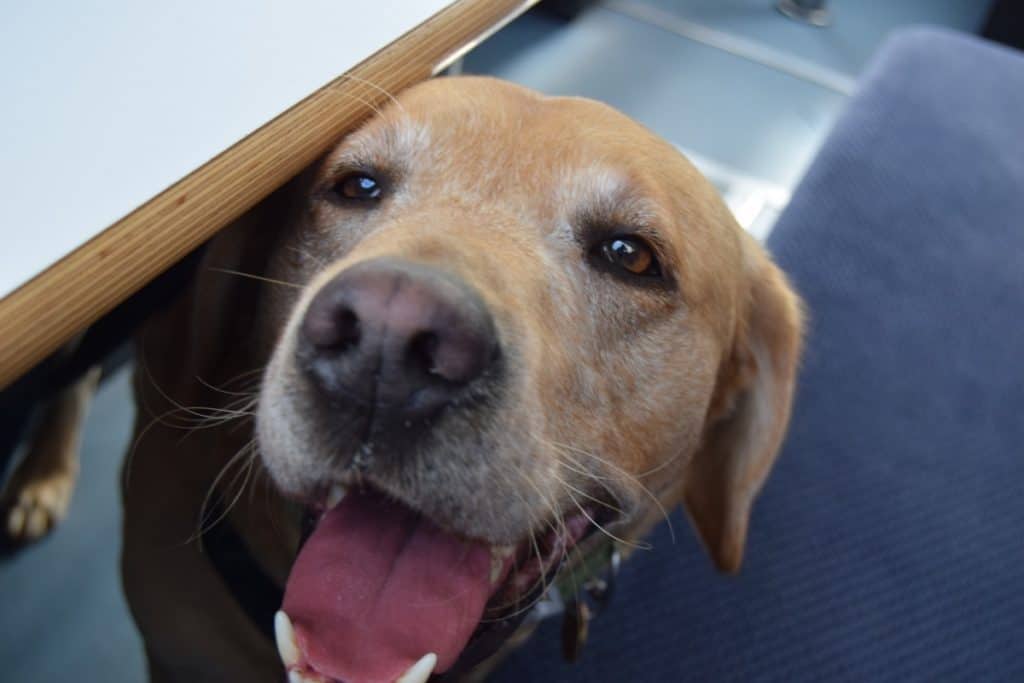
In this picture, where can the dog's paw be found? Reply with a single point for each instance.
(34, 507)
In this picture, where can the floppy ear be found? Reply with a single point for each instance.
(749, 412)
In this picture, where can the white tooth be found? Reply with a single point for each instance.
(503, 551)
(335, 495)
(420, 671)
(286, 645)
(299, 677)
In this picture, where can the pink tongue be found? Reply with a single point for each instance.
(376, 587)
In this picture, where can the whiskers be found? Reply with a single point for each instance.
(253, 276)
(382, 91)
(318, 261)
(234, 408)
(556, 502)
(244, 462)
(196, 417)
(555, 523)
(551, 524)
(603, 471)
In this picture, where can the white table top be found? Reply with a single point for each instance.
(108, 102)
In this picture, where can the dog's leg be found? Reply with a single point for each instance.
(37, 495)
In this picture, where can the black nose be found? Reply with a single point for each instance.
(402, 337)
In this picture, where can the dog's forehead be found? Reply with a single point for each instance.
(488, 130)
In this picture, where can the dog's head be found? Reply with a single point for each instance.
(522, 320)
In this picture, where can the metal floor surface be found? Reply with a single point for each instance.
(685, 68)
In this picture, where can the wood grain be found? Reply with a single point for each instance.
(47, 311)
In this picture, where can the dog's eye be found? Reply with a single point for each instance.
(631, 254)
(358, 186)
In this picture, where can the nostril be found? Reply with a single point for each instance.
(334, 330)
(449, 356)
(349, 329)
(421, 352)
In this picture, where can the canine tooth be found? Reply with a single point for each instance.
(296, 677)
(299, 677)
(287, 647)
(420, 671)
(335, 495)
(498, 556)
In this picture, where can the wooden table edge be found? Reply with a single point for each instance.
(47, 311)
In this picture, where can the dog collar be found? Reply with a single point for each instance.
(256, 593)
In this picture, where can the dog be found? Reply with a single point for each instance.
(489, 331)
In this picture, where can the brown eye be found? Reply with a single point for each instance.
(358, 187)
(631, 254)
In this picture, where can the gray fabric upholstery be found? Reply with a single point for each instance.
(889, 543)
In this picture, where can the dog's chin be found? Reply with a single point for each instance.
(380, 592)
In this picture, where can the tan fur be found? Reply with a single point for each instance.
(661, 393)
(37, 496)
(749, 413)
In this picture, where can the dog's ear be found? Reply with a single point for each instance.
(749, 412)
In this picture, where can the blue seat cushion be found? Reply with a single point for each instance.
(889, 542)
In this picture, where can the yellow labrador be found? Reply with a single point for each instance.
(489, 331)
